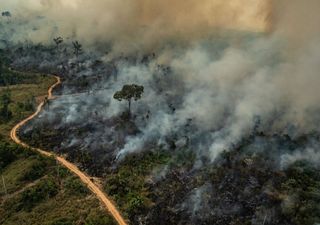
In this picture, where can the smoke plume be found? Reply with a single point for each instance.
(228, 77)
(139, 24)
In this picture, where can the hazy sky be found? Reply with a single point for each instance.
(138, 22)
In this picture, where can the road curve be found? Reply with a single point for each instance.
(73, 168)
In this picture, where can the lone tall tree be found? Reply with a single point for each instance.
(6, 14)
(58, 41)
(77, 48)
(129, 93)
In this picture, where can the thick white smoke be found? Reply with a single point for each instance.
(227, 83)
(269, 83)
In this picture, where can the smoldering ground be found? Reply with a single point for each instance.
(207, 89)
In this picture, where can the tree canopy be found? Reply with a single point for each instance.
(129, 93)
(77, 48)
(6, 14)
(58, 41)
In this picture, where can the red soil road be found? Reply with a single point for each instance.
(72, 167)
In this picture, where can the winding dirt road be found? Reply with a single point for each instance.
(73, 168)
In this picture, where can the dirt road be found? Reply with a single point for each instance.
(73, 168)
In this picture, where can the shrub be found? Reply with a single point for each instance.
(37, 170)
(99, 220)
(44, 190)
(7, 156)
(74, 186)
(136, 204)
(61, 221)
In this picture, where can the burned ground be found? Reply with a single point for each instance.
(196, 150)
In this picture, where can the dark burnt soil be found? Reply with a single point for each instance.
(246, 185)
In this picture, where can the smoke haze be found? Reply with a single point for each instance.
(231, 77)
(139, 24)
(239, 76)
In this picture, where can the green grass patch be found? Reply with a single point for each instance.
(128, 183)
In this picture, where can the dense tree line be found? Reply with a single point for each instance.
(5, 112)
(9, 77)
